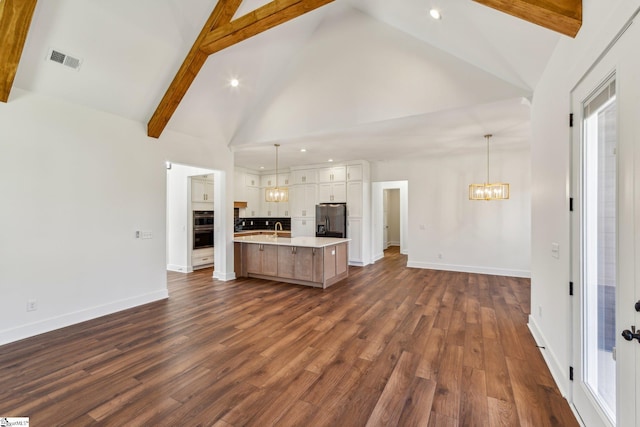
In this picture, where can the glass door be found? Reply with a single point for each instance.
(606, 191)
(598, 223)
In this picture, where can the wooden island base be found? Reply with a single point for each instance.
(318, 262)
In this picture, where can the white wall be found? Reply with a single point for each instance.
(179, 212)
(75, 185)
(550, 319)
(446, 231)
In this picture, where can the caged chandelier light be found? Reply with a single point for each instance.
(488, 190)
(276, 194)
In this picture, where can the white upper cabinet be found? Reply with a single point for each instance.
(354, 173)
(239, 193)
(332, 192)
(283, 180)
(268, 180)
(337, 173)
(251, 180)
(202, 189)
(304, 176)
(302, 199)
(253, 201)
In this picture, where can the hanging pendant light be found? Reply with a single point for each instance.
(488, 190)
(276, 194)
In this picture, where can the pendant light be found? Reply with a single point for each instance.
(488, 190)
(276, 194)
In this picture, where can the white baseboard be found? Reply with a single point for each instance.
(179, 268)
(357, 263)
(224, 276)
(557, 372)
(378, 257)
(393, 243)
(470, 269)
(68, 319)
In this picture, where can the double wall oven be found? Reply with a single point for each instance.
(202, 229)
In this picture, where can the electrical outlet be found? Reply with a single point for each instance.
(32, 305)
(439, 256)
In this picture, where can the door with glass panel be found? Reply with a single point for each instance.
(604, 187)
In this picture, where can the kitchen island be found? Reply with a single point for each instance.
(311, 261)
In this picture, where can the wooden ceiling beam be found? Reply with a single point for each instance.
(219, 34)
(562, 16)
(260, 20)
(221, 15)
(15, 20)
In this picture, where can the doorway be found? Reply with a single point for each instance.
(391, 217)
(189, 190)
(380, 220)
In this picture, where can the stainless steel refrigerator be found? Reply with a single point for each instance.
(331, 220)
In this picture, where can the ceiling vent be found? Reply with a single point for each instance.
(64, 59)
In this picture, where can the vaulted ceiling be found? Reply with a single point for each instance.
(354, 79)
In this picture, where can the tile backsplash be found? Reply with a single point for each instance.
(244, 224)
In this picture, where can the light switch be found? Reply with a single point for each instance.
(555, 250)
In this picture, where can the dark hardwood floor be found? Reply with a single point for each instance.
(388, 346)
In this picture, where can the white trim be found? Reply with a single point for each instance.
(357, 263)
(559, 374)
(470, 269)
(179, 268)
(224, 276)
(57, 322)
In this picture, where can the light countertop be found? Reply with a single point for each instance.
(311, 242)
(249, 232)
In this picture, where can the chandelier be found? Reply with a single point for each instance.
(276, 194)
(488, 190)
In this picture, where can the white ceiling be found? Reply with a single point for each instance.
(356, 79)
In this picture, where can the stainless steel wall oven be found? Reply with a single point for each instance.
(203, 229)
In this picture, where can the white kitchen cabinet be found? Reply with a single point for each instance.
(354, 198)
(332, 192)
(251, 180)
(304, 176)
(354, 232)
(333, 174)
(275, 209)
(354, 173)
(302, 199)
(284, 209)
(303, 227)
(253, 201)
(201, 258)
(283, 179)
(202, 189)
(239, 193)
(268, 180)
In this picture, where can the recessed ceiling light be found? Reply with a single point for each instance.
(261, 167)
(234, 82)
(330, 160)
(435, 14)
(303, 150)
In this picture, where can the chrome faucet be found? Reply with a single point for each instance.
(275, 231)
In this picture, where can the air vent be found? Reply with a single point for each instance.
(64, 59)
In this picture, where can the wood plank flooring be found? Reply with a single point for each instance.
(388, 346)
